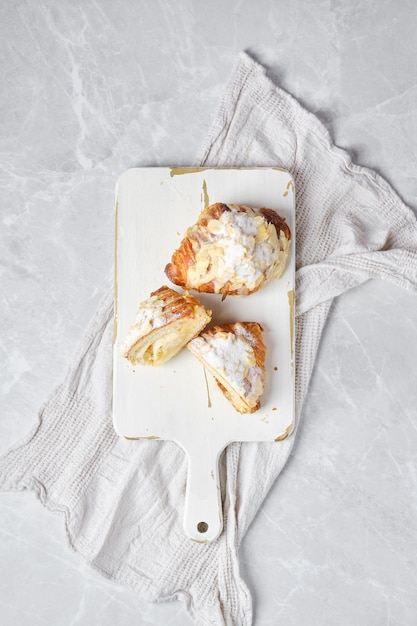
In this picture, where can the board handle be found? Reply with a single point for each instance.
(203, 515)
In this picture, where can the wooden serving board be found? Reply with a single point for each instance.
(179, 400)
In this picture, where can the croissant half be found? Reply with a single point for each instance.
(235, 355)
(164, 323)
(232, 250)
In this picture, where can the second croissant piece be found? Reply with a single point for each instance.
(232, 250)
(235, 355)
(164, 323)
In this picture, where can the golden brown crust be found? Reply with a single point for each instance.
(184, 257)
(176, 304)
(197, 236)
(279, 222)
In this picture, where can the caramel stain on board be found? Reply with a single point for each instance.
(116, 222)
(179, 171)
(290, 187)
(141, 438)
(205, 195)
(285, 434)
(291, 303)
(208, 390)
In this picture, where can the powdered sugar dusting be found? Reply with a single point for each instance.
(149, 315)
(232, 355)
(240, 248)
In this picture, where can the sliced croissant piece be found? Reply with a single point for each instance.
(231, 249)
(164, 323)
(235, 355)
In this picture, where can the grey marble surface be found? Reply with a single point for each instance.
(91, 88)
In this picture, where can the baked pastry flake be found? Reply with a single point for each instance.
(164, 323)
(231, 250)
(235, 355)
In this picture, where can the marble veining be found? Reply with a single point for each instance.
(92, 88)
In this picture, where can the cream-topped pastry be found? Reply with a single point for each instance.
(231, 249)
(235, 355)
(163, 325)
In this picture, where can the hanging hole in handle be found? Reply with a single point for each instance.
(202, 527)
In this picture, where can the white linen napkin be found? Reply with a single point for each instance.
(123, 500)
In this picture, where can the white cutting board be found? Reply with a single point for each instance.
(178, 400)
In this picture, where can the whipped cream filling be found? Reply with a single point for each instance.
(240, 248)
(233, 357)
(149, 315)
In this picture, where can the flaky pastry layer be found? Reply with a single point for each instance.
(164, 323)
(232, 250)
